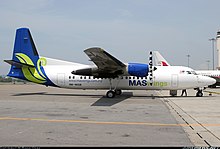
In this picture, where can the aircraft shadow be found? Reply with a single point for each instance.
(122, 97)
(49, 94)
(29, 94)
(104, 101)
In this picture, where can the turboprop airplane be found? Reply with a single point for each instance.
(160, 61)
(108, 73)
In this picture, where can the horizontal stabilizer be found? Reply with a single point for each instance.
(18, 64)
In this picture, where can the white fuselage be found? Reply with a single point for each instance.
(164, 78)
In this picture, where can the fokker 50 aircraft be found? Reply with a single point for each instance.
(108, 73)
(160, 61)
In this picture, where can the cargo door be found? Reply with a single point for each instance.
(61, 79)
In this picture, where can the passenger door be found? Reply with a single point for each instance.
(174, 80)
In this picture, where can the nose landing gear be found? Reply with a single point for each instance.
(199, 93)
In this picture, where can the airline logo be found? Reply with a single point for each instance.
(163, 63)
(145, 83)
(35, 74)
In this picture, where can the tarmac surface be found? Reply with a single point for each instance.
(35, 115)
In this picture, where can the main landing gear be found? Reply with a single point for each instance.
(111, 93)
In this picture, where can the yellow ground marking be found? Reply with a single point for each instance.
(101, 122)
(212, 92)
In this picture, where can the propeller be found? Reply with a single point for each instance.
(151, 68)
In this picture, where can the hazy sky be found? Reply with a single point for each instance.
(127, 29)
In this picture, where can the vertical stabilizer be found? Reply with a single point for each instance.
(24, 54)
(159, 59)
(26, 63)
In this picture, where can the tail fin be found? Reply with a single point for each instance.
(25, 63)
(159, 59)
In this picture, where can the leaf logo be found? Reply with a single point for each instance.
(33, 74)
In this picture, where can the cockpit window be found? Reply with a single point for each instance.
(189, 72)
(193, 72)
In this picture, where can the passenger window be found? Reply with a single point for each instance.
(73, 77)
(188, 72)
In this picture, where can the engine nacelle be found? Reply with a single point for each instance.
(89, 71)
(84, 72)
(138, 69)
(133, 69)
(94, 71)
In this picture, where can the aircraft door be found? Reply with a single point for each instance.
(61, 79)
(174, 80)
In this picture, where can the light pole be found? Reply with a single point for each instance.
(188, 59)
(213, 51)
(208, 63)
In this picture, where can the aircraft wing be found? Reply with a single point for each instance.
(106, 63)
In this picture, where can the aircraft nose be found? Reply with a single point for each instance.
(210, 81)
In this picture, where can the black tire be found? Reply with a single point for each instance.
(110, 94)
(199, 94)
(118, 92)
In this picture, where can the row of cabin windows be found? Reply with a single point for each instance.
(121, 77)
(211, 75)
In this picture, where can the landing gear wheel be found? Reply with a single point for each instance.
(118, 92)
(199, 94)
(110, 94)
